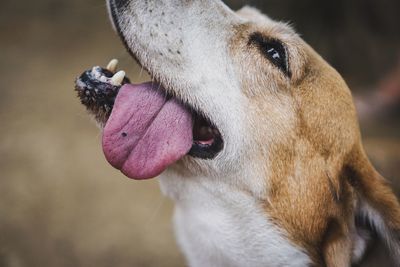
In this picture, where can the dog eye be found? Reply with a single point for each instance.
(273, 50)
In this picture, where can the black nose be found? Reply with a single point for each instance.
(121, 4)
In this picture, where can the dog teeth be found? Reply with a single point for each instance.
(118, 78)
(112, 66)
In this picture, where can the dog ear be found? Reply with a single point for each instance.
(377, 204)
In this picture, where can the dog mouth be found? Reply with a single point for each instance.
(146, 129)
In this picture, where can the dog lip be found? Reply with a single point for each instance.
(207, 151)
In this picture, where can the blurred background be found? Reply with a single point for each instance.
(61, 204)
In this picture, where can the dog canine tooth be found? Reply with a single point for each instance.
(118, 78)
(112, 66)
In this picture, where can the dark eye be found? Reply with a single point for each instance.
(273, 50)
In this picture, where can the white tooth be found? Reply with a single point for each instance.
(112, 66)
(118, 77)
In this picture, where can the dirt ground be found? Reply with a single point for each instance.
(61, 204)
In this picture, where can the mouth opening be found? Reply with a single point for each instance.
(207, 139)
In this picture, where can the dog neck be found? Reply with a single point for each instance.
(221, 224)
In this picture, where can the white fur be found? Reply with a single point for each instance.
(372, 215)
(361, 239)
(219, 225)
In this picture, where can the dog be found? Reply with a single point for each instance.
(255, 136)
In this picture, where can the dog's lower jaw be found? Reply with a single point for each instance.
(220, 225)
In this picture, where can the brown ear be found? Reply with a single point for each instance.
(377, 202)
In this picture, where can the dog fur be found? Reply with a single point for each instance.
(293, 175)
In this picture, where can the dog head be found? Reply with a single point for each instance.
(271, 118)
(271, 99)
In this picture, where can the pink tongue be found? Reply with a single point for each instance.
(146, 132)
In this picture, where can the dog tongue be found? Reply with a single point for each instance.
(146, 132)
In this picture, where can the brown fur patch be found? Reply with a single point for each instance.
(305, 127)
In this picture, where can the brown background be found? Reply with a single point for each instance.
(61, 204)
